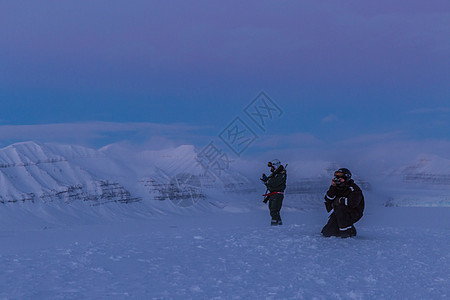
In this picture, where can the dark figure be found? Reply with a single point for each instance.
(347, 200)
(276, 184)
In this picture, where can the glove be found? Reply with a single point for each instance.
(331, 194)
(332, 191)
(340, 201)
(264, 178)
(328, 205)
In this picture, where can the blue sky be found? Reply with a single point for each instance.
(179, 72)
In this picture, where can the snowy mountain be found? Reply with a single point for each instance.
(428, 170)
(31, 172)
(172, 181)
(77, 177)
(424, 182)
(164, 180)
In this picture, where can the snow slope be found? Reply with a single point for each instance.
(423, 182)
(71, 180)
(31, 172)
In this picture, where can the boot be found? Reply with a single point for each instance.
(347, 232)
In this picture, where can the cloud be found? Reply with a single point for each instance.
(294, 140)
(95, 133)
(284, 147)
(376, 138)
(429, 110)
(330, 118)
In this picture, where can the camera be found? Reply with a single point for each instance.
(339, 181)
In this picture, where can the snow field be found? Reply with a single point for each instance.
(232, 256)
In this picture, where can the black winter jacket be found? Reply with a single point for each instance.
(354, 195)
(276, 182)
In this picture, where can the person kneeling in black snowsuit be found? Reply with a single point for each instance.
(276, 184)
(347, 200)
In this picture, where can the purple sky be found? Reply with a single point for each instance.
(366, 67)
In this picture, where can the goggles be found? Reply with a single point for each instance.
(339, 175)
(269, 164)
(339, 178)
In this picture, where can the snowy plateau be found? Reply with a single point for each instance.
(80, 223)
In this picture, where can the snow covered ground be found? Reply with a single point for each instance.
(399, 253)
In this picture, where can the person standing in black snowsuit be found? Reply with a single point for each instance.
(347, 201)
(276, 184)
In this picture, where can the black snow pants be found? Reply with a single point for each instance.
(341, 217)
(275, 203)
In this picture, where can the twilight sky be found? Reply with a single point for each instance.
(166, 72)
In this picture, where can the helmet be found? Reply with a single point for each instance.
(343, 173)
(341, 177)
(274, 163)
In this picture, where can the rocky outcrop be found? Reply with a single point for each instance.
(427, 178)
(183, 190)
(106, 192)
(32, 172)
